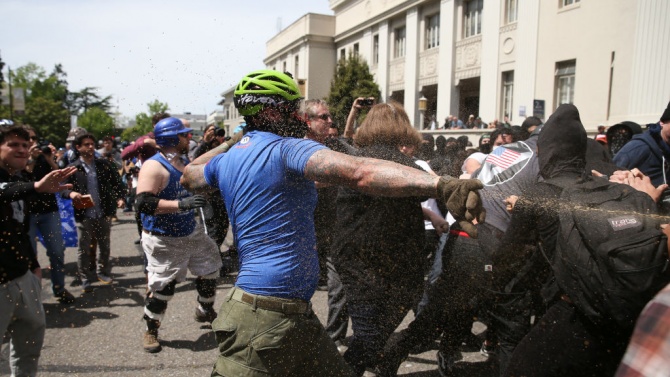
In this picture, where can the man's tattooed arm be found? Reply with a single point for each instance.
(369, 175)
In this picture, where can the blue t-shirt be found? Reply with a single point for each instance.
(271, 209)
(178, 224)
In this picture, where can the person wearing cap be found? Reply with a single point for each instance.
(98, 179)
(267, 182)
(171, 239)
(650, 151)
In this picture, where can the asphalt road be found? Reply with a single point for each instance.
(101, 333)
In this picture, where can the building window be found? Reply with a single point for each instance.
(343, 54)
(399, 39)
(511, 11)
(375, 49)
(565, 82)
(507, 94)
(432, 31)
(284, 67)
(472, 18)
(296, 66)
(356, 49)
(565, 3)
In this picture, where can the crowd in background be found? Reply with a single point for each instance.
(380, 257)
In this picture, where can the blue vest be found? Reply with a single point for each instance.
(178, 224)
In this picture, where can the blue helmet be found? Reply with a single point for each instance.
(167, 130)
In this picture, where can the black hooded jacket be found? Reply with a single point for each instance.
(561, 151)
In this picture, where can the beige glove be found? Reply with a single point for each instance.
(463, 201)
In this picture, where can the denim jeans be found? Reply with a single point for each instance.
(49, 226)
(373, 322)
(434, 273)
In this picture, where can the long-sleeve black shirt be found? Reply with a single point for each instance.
(16, 253)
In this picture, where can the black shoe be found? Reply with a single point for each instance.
(137, 241)
(64, 297)
(204, 315)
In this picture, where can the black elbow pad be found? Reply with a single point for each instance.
(146, 203)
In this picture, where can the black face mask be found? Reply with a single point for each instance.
(618, 140)
(291, 126)
(485, 148)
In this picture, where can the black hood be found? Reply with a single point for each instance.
(561, 146)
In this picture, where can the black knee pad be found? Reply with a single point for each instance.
(155, 305)
(206, 287)
(168, 290)
(159, 304)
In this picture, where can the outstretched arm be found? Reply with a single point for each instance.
(385, 178)
(370, 176)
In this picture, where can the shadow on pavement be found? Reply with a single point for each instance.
(205, 342)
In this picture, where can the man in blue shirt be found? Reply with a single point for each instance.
(266, 325)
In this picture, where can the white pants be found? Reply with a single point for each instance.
(170, 257)
(22, 314)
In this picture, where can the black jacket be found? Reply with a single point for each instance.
(16, 253)
(377, 241)
(110, 186)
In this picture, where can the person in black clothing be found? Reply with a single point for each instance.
(22, 314)
(45, 217)
(100, 179)
(378, 241)
(563, 342)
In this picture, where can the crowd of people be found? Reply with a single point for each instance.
(388, 219)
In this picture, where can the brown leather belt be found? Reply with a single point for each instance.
(273, 304)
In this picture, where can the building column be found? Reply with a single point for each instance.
(488, 84)
(447, 95)
(525, 66)
(411, 65)
(383, 64)
(649, 89)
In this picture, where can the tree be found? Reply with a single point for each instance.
(81, 101)
(352, 80)
(96, 121)
(49, 103)
(143, 123)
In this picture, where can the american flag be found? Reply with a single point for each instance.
(503, 157)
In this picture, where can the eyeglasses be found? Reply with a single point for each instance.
(324, 117)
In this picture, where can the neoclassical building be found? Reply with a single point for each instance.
(492, 58)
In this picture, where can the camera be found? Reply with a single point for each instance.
(367, 102)
(43, 145)
(219, 132)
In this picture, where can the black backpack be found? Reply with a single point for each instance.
(611, 257)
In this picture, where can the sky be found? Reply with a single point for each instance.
(183, 53)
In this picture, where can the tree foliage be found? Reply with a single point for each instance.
(50, 103)
(143, 121)
(352, 80)
(96, 121)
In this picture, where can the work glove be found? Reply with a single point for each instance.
(195, 201)
(463, 201)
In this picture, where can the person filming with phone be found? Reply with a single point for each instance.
(359, 104)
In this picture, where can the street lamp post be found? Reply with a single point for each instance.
(423, 103)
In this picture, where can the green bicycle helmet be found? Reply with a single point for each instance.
(266, 88)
